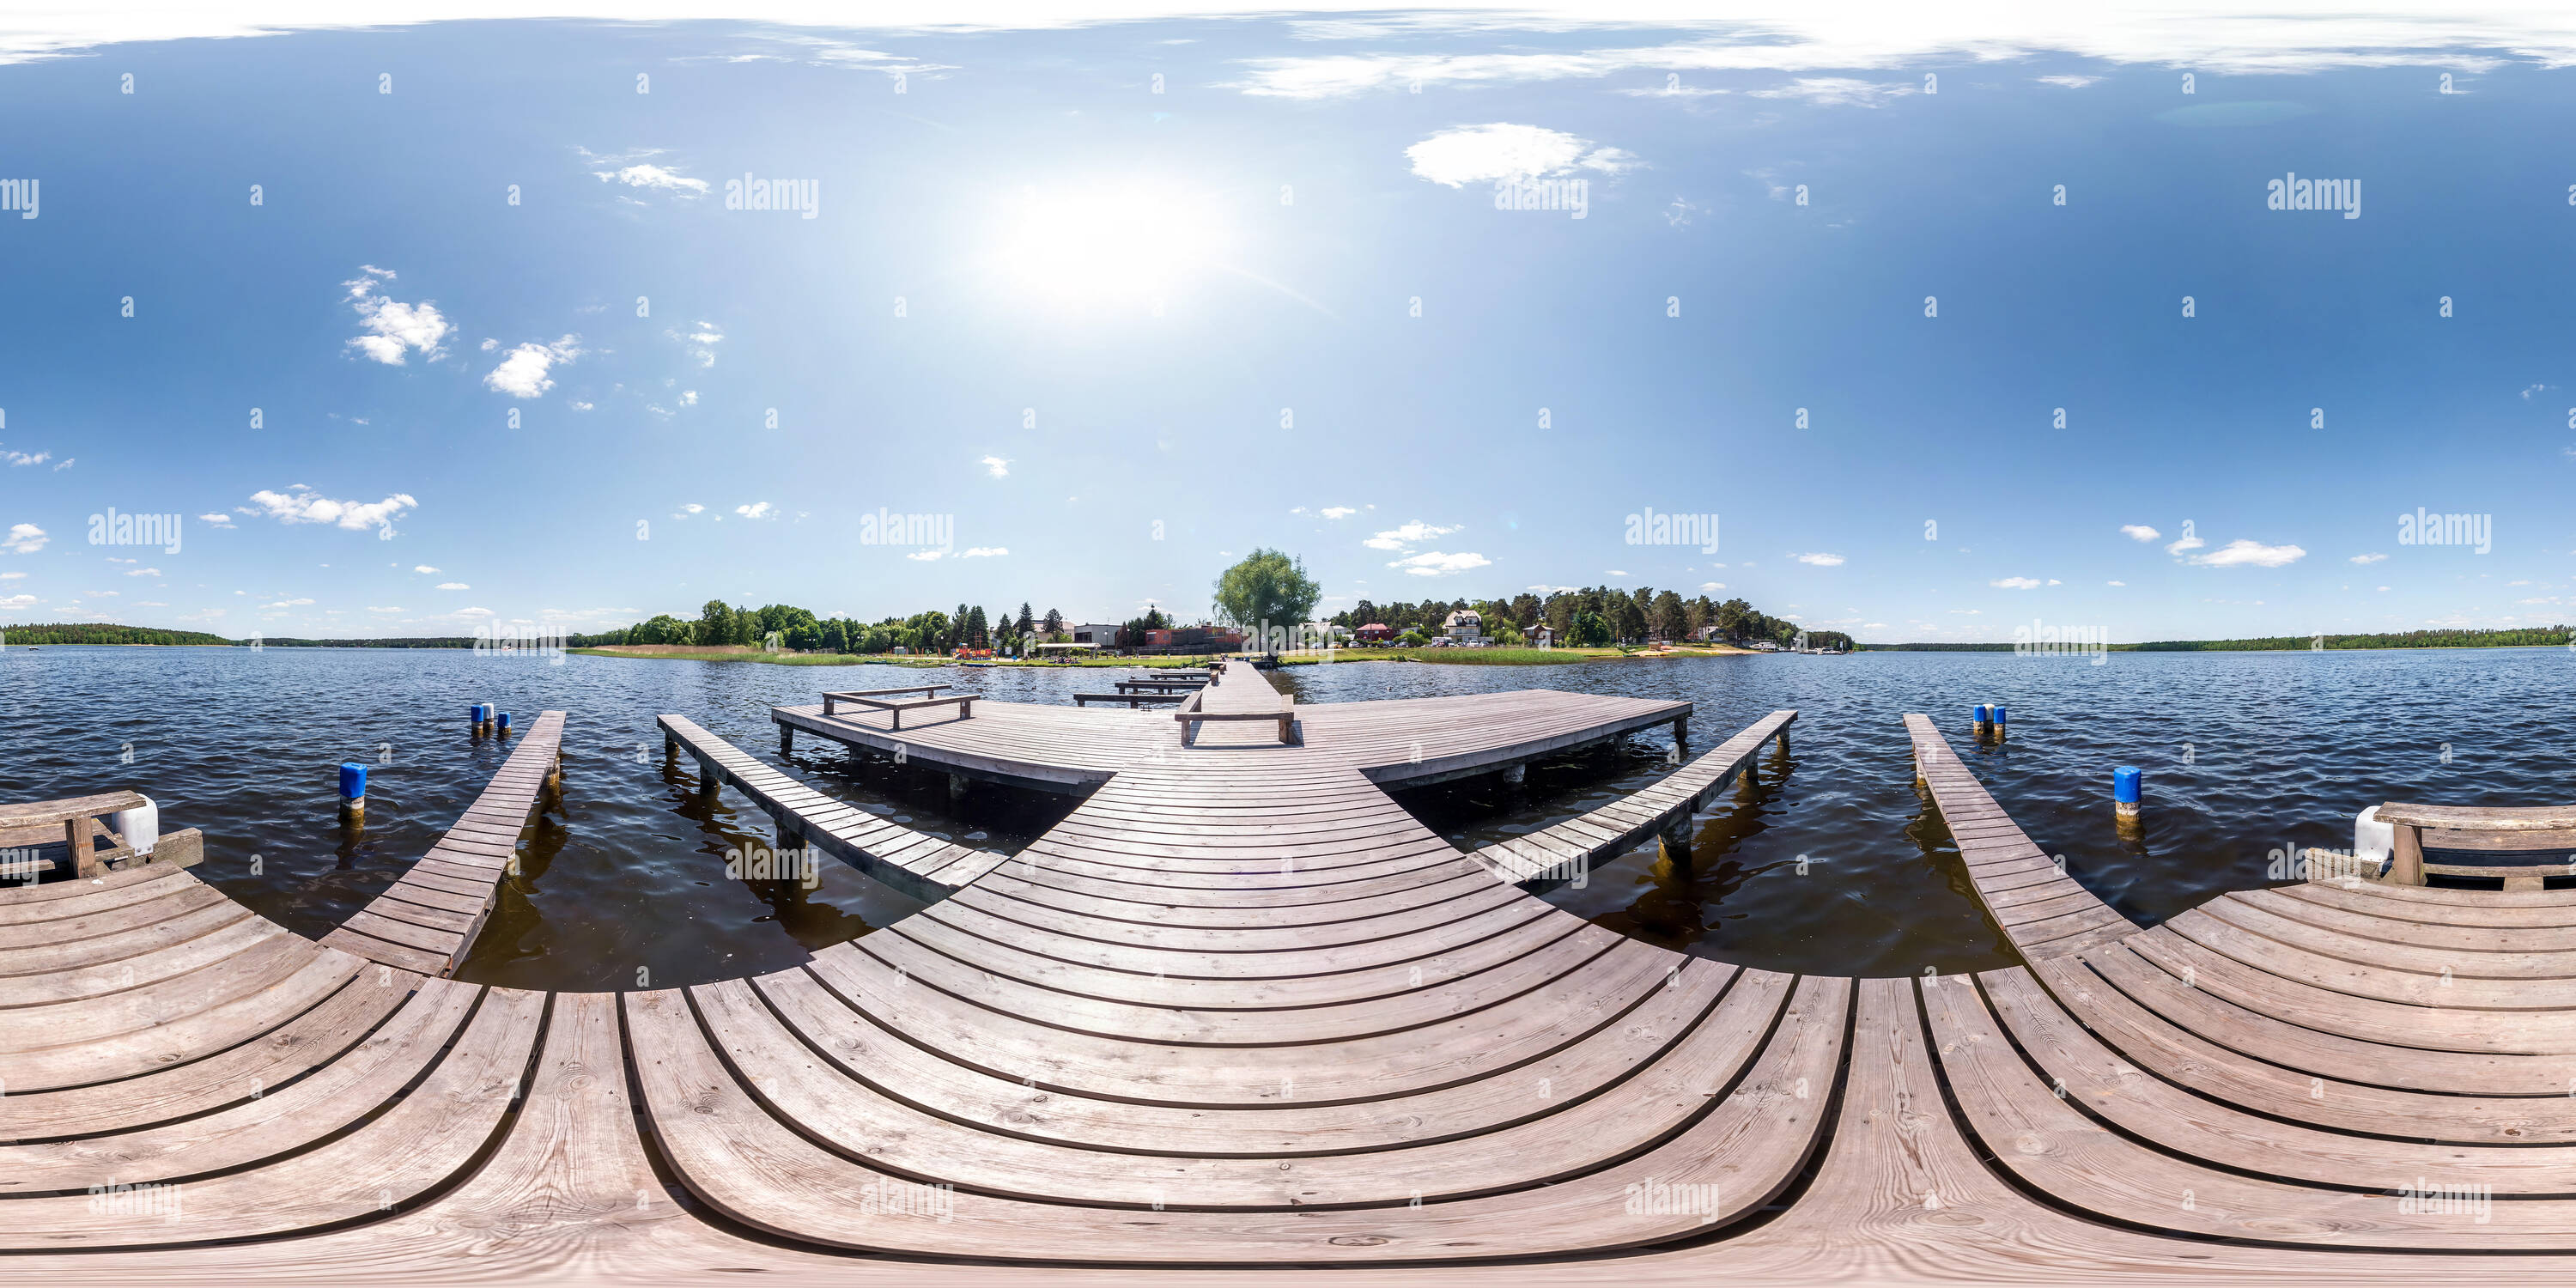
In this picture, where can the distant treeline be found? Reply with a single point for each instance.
(417, 641)
(92, 633)
(2511, 637)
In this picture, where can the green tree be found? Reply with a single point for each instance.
(1054, 623)
(1266, 589)
(1588, 630)
(1670, 619)
(715, 622)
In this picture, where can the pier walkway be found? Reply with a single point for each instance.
(1239, 1011)
(427, 921)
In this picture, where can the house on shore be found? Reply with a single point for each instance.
(1464, 628)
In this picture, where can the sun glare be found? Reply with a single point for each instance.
(1109, 247)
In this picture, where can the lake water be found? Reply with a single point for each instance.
(1829, 862)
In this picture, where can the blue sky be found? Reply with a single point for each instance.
(1119, 337)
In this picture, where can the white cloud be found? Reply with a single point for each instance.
(686, 510)
(1399, 537)
(66, 463)
(2366, 559)
(688, 397)
(2187, 543)
(423, 568)
(1707, 586)
(1432, 563)
(142, 572)
(700, 341)
(453, 585)
(1819, 559)
(654, 178)
(393, 327)
(301, 504)
(985, 552)
(1614, 572)
(523, 374)
(2115, 583)
(2070, 82)
(373, 609)
(1838, 91)
(216, 520)
(21, 458)
(288, 603)
(2139, 532)
(578, 405)
(1337, 512)
(2528, 392)
(24, 539)
(927, 556)
(756, 510)
(996, 466)
(2241, 552)
(2015, 583)
(1493, 153)
(17, 601)
(13, 576)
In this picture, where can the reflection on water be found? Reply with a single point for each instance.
(1825, 859)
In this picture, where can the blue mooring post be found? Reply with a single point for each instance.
(2125, 786)
(505, 723)
(353, 786)
(1985, 718)
(1999, 720)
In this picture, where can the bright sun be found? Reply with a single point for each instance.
(1133, 246)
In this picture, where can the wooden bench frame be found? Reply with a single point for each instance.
(2470, 827)
(875, 699)
(1190, 721)
(1131, 699)
(181, 849)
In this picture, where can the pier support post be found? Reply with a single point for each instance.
(2406, 866)
(1517, 776)
(1676, 842)
(1681, 735)
(956, 792)
(710, 781)
(554, 782)
(1783, 740)
(786, 738)
(670, 743)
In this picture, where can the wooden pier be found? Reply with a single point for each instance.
(1239, 1013)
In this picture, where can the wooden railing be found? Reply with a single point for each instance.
(883, 700)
